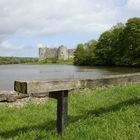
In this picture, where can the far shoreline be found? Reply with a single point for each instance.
(36, 61)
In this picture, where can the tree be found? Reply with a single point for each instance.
(118, 46)
(106, 48)
(84, 53)
(79, 55)
(130, 41)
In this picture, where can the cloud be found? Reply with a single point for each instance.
(9, 49)
(40, 45)
(45, 18)
(133, 5)
(8, 46)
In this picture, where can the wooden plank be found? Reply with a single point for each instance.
(35, 87)
(21, 87)
(43, 87)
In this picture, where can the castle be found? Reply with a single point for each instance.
(61, 53)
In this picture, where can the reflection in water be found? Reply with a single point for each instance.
(10, 73)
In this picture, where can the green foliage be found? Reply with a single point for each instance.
(84, 53)
(130, 40)
(55, 61)
(106, 48)
(118, 46)
(17, 60)
(80, 55)
(103, 114)
(28, 60)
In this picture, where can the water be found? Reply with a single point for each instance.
(10, 73)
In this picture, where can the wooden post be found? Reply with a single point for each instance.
(62, 109)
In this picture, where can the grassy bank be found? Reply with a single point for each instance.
(55, 61)
(104, 114)
(29, 60)
(17, 60)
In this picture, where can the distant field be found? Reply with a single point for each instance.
(30, 60)
(55, 61)
(104, 114)
(17, 60)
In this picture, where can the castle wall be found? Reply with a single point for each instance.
(61, 53)
(47, 53)
(51, 53)
(42, 53)
(71, 53)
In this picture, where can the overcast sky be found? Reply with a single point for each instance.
(26, 25)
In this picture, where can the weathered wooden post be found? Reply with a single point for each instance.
(62, 109)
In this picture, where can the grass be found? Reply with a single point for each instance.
(55, 61)
(17, 60)
(104, 114)
(30, 60)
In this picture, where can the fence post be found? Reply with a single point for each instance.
(62, 109)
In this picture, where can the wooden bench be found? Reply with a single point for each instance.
(59, 90)
(54, 89)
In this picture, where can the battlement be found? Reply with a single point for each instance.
(61, 53)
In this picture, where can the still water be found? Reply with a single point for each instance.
(10, 73)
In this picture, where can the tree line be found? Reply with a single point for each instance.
(119, 46)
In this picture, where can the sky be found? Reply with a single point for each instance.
(26, 25)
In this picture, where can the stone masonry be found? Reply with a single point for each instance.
(61, 53)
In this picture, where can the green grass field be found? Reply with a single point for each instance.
(104, 114)
(32, 61)
(17, 60)
(56, 61)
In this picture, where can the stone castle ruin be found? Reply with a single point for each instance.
(61, 53)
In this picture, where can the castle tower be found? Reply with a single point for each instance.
(47, 53)
(62, 53)
(42, 53)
